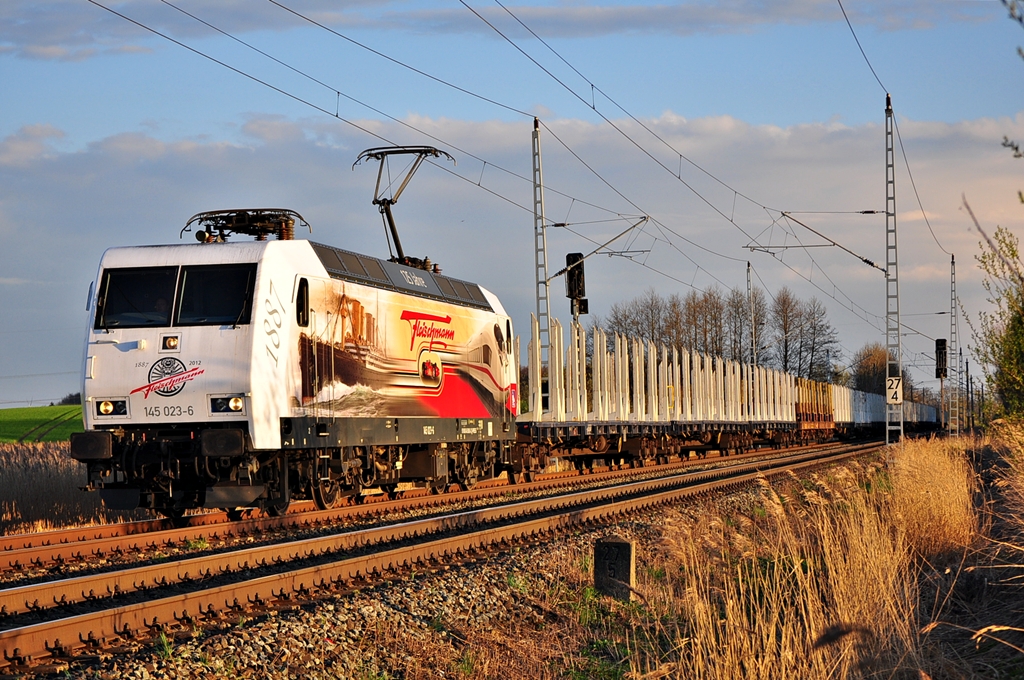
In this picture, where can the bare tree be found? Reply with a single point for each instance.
(818, 342)
(676, 332)
(737, 325)
(783, 327)
(869, 370)
(643, 317)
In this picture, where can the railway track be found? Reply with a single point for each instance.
(82, 615)
(56, 549)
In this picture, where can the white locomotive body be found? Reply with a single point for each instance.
(247, 374)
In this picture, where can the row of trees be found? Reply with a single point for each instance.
(999, 335)
(792, 335)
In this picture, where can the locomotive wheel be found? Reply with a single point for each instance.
(325, 493)
(524, 477)
(175, 515)
(391, 490)
(278, 506)
(326, 489)
(438, 485)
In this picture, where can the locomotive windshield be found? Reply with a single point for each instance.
(145, 296)
(134, 298)
(216, 294)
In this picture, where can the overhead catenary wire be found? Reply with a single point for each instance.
(335, 114)
(378, 136)
(378, 111)
(363, 129)
(833, 242)
(861, 48)
(608, 121)
(636, 120)
(593, 107)
(589, 167)
(899, 138)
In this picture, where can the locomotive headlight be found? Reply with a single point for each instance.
(112, 407)
(171, 342)
(227, 403)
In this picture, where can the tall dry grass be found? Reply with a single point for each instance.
(1008, 438)
(39, 490)
(934, 495)
(810, 578)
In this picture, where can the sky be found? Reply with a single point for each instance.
(710, 118)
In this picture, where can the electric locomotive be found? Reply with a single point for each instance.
(229, 374)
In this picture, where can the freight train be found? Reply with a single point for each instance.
(246, 374)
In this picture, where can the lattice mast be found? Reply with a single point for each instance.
(893, 342)
(540, 247)
(954, 354)
(753, 344)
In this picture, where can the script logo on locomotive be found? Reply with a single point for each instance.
(167, 377)
(424, 326)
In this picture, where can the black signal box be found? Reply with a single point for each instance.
(941, 370)
(575, 286)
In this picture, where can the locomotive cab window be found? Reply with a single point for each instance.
(136, 297)
(214, 295)
(302, 304)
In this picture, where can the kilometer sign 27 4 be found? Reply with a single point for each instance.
(167, 377)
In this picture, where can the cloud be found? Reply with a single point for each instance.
(70, 30)
(682, 18)
(60, 208)
(28, 144)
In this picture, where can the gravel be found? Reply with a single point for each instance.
(413, 626)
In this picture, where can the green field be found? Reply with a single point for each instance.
(40, 423)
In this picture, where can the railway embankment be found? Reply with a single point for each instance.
(39, 490)
(899, 566)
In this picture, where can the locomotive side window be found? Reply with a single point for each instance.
(446, 286)
(374, 269)
(352, 264)
(216, 295)
(475, 294)
(136, 298)
(302, 304)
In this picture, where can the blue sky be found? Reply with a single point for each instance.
(110, 136)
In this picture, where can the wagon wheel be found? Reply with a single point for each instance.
(391, 490)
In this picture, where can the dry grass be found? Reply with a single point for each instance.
(845, 574)
(813, 578)
(934, 496)
(811, 584)
(39, 490)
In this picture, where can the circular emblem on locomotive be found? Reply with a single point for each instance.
(162, 370)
